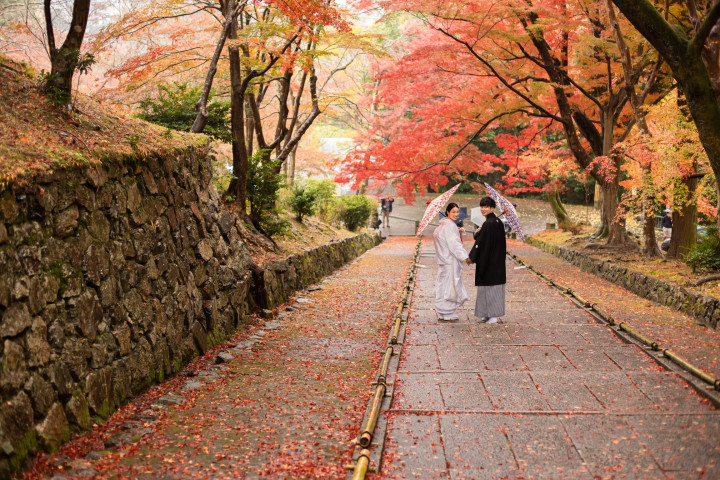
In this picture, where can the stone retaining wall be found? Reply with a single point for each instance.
(702, 307)
(284, 277)
(114, 277)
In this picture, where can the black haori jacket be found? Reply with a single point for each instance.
(488, 253)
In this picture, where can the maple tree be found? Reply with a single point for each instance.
(672, 165)
(690, 44)
(550, 67)
(265, 56)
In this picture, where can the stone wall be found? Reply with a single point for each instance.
(702, 307)
(284, 277)
(114, 277)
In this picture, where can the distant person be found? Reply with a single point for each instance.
(488, 255)
(450, 292)
(667, 224)
(386, 205)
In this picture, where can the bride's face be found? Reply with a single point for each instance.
(454, 214)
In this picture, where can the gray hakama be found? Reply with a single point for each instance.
(490, 301)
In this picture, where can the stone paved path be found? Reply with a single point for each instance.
(670, 328)
(549, 394)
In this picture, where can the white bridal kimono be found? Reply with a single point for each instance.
(450, 292)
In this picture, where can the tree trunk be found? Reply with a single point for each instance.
(237, 116)
(650, 245)
(291, 166)
(64, 60)
(558, 208)
(201, 118)
(684, 219)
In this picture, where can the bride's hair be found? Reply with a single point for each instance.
(450, 206)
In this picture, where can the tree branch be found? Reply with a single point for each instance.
(697, 42)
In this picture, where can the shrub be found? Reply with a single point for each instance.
(272, 224)
(324, 193)
(263, 185)
(302, 201)
(174, 108)
(706, 254)
(354, 211)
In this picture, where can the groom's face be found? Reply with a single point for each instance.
(485, 210)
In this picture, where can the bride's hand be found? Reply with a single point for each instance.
(462, 230)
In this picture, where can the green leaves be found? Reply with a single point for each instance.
(174, 108)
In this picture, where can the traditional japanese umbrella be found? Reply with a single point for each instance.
(476, 216)
(503, 204)
(434, 207)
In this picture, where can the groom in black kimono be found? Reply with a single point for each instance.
(488, 255)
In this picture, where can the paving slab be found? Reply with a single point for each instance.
(414, 448)
(476, 446)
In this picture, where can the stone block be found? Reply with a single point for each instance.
(21, 288)
(99, 226)
(54, 430)
(200, 336)
(6, 284)
(87, 313)
(16, 424)
(13, 367)
(149, 181)
(97, 176)
(133, 198)
(61, 378)
(96, 264)
(100, 388)
(47, 198)
(38, 348)
(36, 300)
(8, 207)
(15, 320)
(108, 292)
(41, 393)
(123, 380)
(66, 221)
(85, 197)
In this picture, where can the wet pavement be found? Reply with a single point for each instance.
(548, 394)
(671, 329)
(281, 401)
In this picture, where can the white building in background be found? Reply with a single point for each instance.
(337, 146)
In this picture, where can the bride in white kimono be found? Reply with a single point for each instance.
(450, 292)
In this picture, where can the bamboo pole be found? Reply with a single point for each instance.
(704, 376)
(603, 314)
(626, 328)
(365, 440)
(361, 467)
(367, 432)
(382, 376)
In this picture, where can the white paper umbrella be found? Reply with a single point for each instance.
(476, 216)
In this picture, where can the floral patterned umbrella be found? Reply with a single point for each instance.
(434, 207)
(503, 204)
